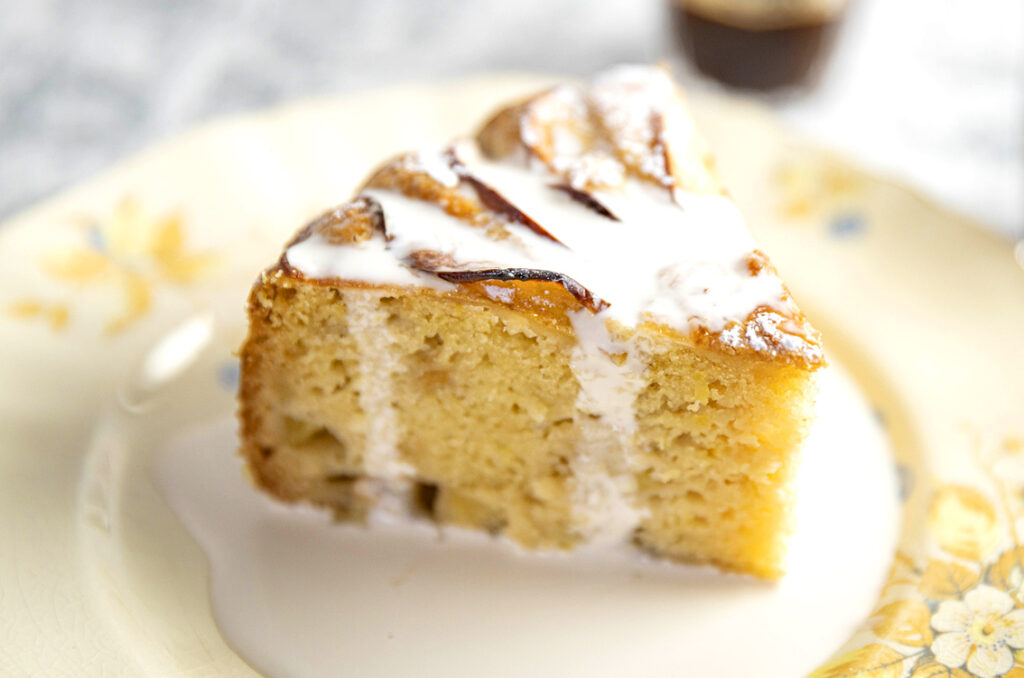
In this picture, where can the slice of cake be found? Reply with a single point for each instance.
(559, 331)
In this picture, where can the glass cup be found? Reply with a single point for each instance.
(758, 44)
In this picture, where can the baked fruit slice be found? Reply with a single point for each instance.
(559, 330)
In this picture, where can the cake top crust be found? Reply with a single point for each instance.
(602, 190)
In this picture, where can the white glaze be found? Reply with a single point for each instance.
(603, 488)
(437, 167)
(677, 256)
(317, 258)
(681, 263)
(607, 388)
(604, 485)
(378, 361)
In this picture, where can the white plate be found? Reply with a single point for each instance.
(297, 596)
(100, 575)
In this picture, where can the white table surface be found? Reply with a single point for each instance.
(931, 91)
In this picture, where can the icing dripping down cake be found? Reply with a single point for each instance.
(559, 330)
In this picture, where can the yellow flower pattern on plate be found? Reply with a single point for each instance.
(963, 610)
(981, 631)
(131, 252)
(55, 314)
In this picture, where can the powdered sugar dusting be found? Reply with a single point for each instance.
(635, 106)
(551, 119)
(767, 333)
(499, 293)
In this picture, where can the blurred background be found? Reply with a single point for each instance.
(927, 91)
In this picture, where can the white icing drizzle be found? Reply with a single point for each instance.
(678, 258)
(607, 388)
(378, 362)
(680, 263)
(369, 261)
(610, 376)
(434, 165)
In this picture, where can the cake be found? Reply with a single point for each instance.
(559, 330)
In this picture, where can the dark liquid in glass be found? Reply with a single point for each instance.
(754, 58)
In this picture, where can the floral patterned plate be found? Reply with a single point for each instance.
(120, 303)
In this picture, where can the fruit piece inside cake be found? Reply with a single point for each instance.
(559, 330)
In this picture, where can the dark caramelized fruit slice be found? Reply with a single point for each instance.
(586, 199)
(581, 293)
(494, 200)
